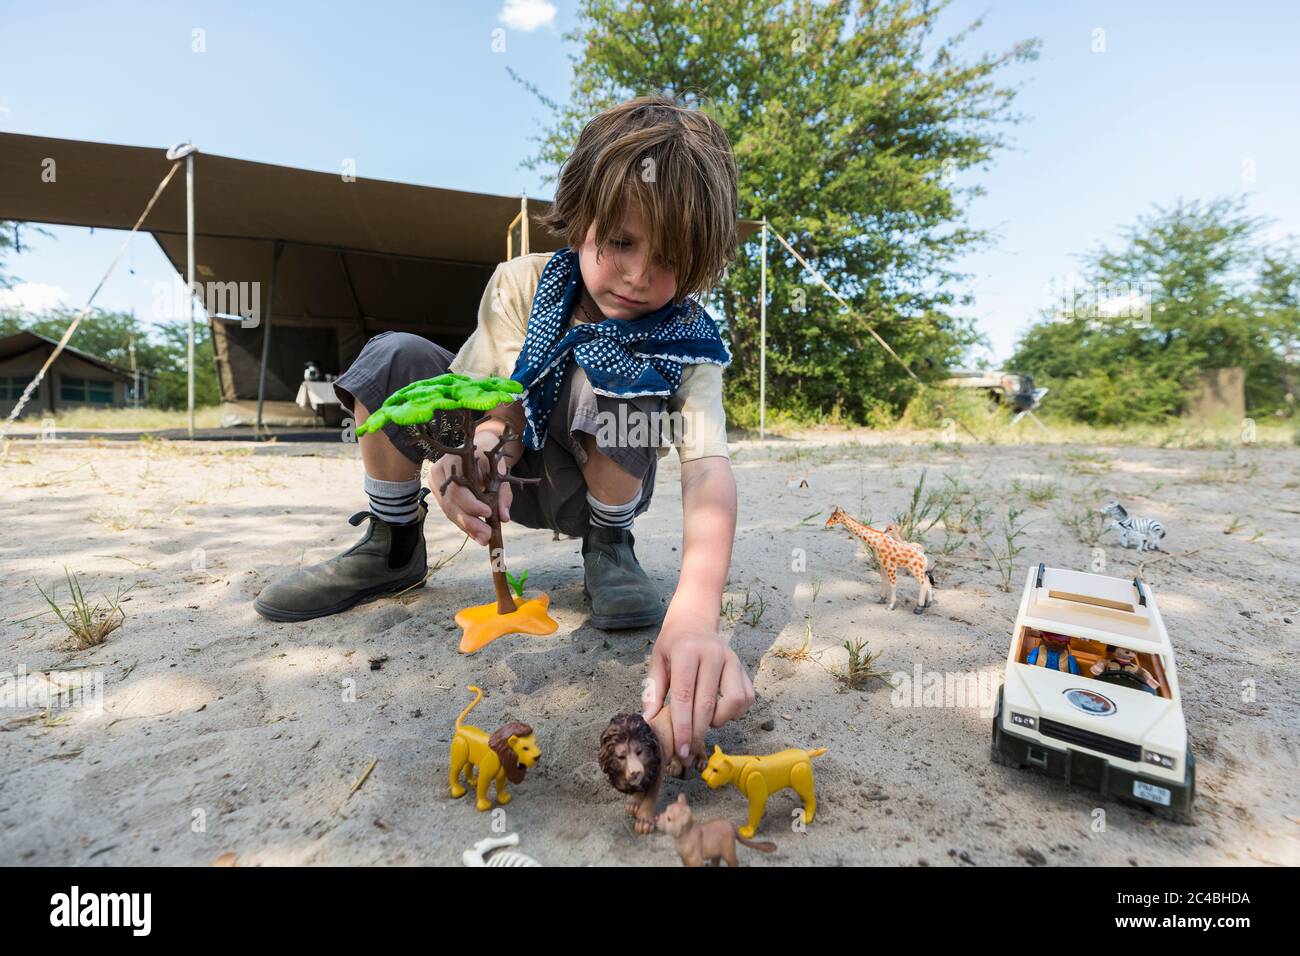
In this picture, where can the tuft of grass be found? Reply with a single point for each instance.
(754, 609)
(1037, 492)
(804, 651)
(1230, 473)
(1086, 525)
(128, 419)
(117, 519)
(1088, 463)
(965, 514)
(861, 666)
(1012, 531)
(924, 511)
(87, 625)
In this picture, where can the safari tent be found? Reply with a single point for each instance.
(328, 260)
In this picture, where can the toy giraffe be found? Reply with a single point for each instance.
(891, 551)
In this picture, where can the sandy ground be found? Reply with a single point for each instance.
(224, 733)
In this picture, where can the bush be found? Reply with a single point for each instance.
(933, 405)
(1117, 398)
(741, 410)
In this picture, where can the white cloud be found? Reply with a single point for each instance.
(527, 15)
(32, 297)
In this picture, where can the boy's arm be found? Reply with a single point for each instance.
(705, 683)
(492, 349)
(708, 530)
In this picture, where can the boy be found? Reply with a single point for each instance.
(602, 335)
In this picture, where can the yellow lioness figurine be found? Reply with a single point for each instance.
(760, 777)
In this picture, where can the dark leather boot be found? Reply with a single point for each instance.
(621, 594)
(389, 559)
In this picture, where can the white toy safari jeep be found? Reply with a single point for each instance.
(1091, 692)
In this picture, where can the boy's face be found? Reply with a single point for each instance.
(624, 282)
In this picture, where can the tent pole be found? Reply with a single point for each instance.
(266, 334)
(762, 336)
(189, 280)
(523, 226)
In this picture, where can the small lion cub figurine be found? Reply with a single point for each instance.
(506, 755)
(705, 842)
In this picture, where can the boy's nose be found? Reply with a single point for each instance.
(636, 274)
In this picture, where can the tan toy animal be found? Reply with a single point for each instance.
(705, 842)
(892, 552)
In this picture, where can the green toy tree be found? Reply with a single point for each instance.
(439, 413)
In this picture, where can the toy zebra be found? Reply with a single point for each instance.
(1144, 533)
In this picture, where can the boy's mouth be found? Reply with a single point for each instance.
(624, 300)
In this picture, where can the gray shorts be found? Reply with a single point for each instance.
(392, 360)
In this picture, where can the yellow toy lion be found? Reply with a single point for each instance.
(505, 755)
(760, 777)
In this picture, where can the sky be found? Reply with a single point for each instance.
(1130, 105)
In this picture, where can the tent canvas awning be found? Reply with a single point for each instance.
(357, 257)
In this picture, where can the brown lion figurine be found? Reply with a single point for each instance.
(632, 756)
(506, 755)
(706, 842)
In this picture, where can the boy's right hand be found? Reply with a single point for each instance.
(460, 505)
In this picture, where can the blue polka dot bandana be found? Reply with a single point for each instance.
(623, 358)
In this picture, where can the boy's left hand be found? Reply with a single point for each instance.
(704, 681)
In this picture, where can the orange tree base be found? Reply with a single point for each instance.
(482, 624)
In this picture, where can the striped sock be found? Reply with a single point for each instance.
(394, 502)
(612, 516)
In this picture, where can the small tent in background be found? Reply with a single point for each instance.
(75, 380)
(321, 262)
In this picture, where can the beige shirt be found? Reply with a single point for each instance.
(493, 348)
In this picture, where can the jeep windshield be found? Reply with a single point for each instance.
(1110, 664)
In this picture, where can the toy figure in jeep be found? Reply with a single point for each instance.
(1054, 652)
(1120, 666)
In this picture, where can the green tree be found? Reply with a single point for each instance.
(851, 124)
(1278, 300)
(1172, 299)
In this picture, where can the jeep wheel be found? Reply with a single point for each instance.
(1002, 760)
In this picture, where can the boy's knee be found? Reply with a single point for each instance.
(633, 461)
(413, 354)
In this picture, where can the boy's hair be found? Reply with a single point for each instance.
(676, 164)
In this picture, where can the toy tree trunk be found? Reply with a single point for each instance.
(497, 555)
(439, 412)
